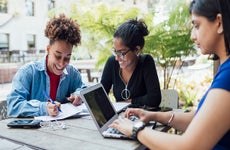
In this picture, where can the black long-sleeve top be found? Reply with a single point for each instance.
(143, 85)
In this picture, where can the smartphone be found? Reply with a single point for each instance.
(29, 123)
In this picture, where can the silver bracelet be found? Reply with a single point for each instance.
(170, 119)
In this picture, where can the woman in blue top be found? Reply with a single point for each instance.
(52, 76)
(208, 127)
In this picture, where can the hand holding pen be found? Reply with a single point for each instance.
(52, 107)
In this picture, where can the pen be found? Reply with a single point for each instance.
(52, 101)
(154, 125)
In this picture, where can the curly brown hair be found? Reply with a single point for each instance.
(63, 28)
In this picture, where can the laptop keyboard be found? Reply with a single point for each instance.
(115, 131)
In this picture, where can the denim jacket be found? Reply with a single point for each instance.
(27, 97)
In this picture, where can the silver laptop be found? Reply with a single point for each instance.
(101, 110)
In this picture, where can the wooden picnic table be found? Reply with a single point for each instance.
(79, 133)
(88, 66)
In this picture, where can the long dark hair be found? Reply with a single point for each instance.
(210, 9)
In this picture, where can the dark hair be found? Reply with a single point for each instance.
(63, 28)
(132, 33)
(210, 9)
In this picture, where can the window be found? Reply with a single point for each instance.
(3, 6)
(31, 41)
(4, 41)
(51, 4)
(29, 7)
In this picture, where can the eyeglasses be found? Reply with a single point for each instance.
(120, 54)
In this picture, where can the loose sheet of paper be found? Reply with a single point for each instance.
(67, 109)
(120, 105)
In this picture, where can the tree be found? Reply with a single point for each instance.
(170, 41)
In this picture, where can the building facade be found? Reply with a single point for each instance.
(22, 24)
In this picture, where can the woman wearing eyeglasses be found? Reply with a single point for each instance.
(132, 75)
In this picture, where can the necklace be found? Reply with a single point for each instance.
(125, 93)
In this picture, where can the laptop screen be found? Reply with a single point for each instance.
(100, 105)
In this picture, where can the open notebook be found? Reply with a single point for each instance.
(101, 110)
(69, 110)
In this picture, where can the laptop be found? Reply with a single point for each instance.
(101, 110)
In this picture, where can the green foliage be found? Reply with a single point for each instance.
(170, 41)
(187, 96)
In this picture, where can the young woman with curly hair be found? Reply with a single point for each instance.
(52, 75)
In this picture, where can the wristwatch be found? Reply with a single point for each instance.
(137, 126)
